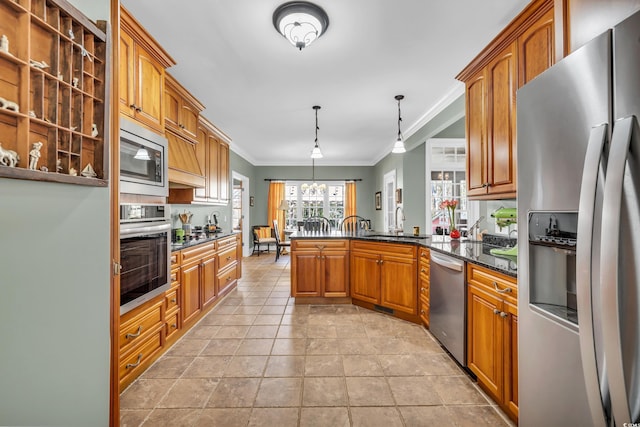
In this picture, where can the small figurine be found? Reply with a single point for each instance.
(75, 81)
(71, 35)
(32, 114)
(59, 165)
(38, 64)
(94, 130)
(60, 77)
(34, 155)
(4, 44)
(9, 105)
(8, 157)
(73, 172)
(44, 169)
(73, 128)
(88, 172)
(85, 53)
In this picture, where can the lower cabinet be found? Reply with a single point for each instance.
(320, 268)
(198, 279)
(492, 335)
(385, 274)
(423, 284)
(227, 264)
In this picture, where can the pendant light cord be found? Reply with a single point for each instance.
(316, 141)
(399, 119)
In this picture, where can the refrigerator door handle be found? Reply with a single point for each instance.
(584, 282)
(609, 274)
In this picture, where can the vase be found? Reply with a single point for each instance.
(454, 234)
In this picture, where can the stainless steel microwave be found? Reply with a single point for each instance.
(143, 160)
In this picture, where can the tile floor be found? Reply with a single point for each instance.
(259, 360)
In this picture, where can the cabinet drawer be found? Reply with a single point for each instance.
(492, 281)
(171, 297)
(175, 277)
(314, 245)
(393, 249)
(136, 328)
(226, 242)
(190, 255)
(424, 271)
(424, 290)
(172, 325)
(135, 360)
(423, 311)
(227, 257)
(227, 277)
(423, 254)
(175, 260)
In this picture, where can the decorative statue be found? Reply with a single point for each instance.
(4, 44)
(59, 165)
(9, 105)
(34, 155)
(38, 64)
(73, 172)
(94, 130)
(75, 81)
(71, 35)
(8, 157)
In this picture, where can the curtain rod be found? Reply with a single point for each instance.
(317, 179)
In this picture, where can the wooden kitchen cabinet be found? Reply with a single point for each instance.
(492, 335)
(385, 274)
(182, 109)
(228, 264)
(320, 268)
(524, 49)
(424, 265)
(198, 276)
(141, 74)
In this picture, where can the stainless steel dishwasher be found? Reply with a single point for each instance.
(448, 304)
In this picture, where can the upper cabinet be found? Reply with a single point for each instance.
(519, 53)
(142, 74)
(181, 109)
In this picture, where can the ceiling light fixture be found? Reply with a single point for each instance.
(300, 22)
(316, 153)
(314, 188)
(398, 147)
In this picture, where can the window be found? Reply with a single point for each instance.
(389, 200)
(324, 199)
(446, 179)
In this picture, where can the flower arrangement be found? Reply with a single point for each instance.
(450, 206)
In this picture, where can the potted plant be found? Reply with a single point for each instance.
(450, 206)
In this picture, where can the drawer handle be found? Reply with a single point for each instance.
(503, 314)
(228, 258)
(496, 311)
(174, 277)
(500, 291)
(137, 334)
(133, 365)
(229, 279)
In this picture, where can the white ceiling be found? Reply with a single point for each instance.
(259, 89)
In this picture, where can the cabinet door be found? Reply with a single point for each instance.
(536, 49)
(202, 151)
(172, 109)
(223, 172)
(335, 270)
(398, 284)
(189, 120)
(126, 75)
(511, 360)
(502, 129)
(190, 280)
(476, 135)
(484, 340)
(305, 274)
(365, 277)
(149, 90)
(209, 285)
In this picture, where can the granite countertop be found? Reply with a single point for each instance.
(206, 238)
(470, 251)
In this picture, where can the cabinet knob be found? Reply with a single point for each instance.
(174, 326)
(496, 311)
(173, 300)
(137, 334)
(503, 314)
(423, 270)
(423, 289)
(423, 254)
(229, 279)
(422, 312)
(228, 258)
(500, 291)
(133, 365)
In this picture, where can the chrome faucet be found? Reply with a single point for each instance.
(474, 225)
(397, 229)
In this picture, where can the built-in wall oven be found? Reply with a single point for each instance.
(143, 160)
(145, 245)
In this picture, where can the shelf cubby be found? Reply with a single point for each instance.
(54, 108)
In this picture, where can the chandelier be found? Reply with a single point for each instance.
(300, 22)
(398, 147)
(313, 188)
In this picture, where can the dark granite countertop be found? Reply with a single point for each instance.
(205, 238)
(470, 251)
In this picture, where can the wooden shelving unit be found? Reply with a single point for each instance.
(56, 72)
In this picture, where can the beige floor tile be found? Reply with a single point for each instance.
(279, 294)
(145, 393)
(437, 364)
(456, 390)
(168, 367)
(271, 417)
(224, 309)
(215, 319)
(223, 417)
(387, 345)
(413, 391)
(248, 309)
(302, 309)
(273, 309)
(277, 301)
(322, 346)
(420, 345)
(253, 301)
(187, 347)
(426, 416)
(267, 319)
(161, 417)
(207, 367)
(133, 417)
(376, 417)
(292, 331)
(246, 366)
(354, 330)
(295, 319)
(399, 365)
(324, 391)
(285, 366)
(369, 391)
(221, 347)
(189, 393)
(255, 346)
(324, 417)
(202, 331)
(356, 346)
(279, 392)
(288, 347)
(323, 366)
(232, 331)
(361, 366)
(240, 319)
(262, 331)
(475, 416)
(234, 393)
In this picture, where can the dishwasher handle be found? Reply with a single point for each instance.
(447, 262)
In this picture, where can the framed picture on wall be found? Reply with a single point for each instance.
(379, 200)
(251, 201)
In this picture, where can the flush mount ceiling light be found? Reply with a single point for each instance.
(398, 147)
(316, 153)
(300, 22)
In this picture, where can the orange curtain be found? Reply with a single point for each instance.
(276, 196)
(350, 199)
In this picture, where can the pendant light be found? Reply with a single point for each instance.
(398, 147)
(316, 153)
(300, 22)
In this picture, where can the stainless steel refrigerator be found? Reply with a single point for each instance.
(579, 241)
